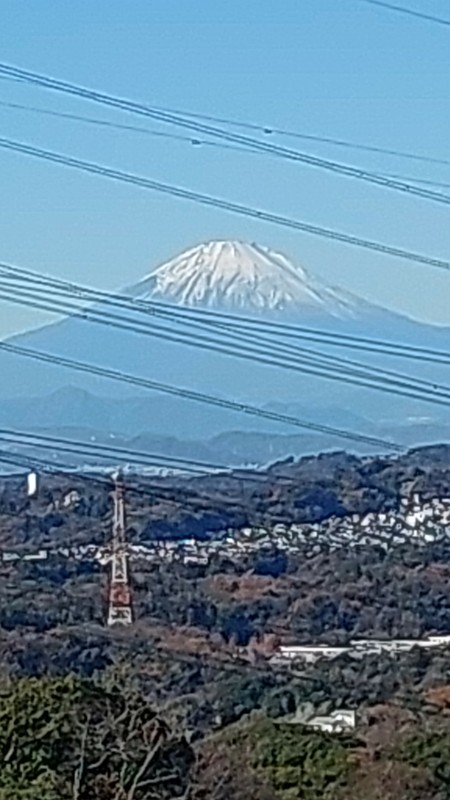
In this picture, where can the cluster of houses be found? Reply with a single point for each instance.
(187, 551)
(415, 520)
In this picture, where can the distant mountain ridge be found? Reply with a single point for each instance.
(75, 407)
(145, 424)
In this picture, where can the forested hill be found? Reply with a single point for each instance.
(310, 489)
(186, 702)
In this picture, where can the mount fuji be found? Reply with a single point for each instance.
(245, 278)
(228, 276)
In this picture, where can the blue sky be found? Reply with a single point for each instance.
(337, 68)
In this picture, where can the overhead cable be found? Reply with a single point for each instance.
(128, 455)
(200, 142)
(222, 319)
(412, 12)
(104, 123)
(302, 360)
(189, 394)
(225, 205)
(143, 489)
(178, 120)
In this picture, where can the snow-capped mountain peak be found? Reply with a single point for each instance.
(241, 277)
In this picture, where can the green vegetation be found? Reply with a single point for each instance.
(260, 760)
(185, 704)
(84, 739)
(70, 738)
(298, 763)
(426, 749)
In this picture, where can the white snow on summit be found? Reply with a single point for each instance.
(241, 277)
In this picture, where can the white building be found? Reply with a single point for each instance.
(308, 652)
(32, 484)
(336, 722)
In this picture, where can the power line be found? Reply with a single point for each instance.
(27, 296)
(265, 129)
(298, 359)
(200, 397)
(144, 489)
(124, 127)
(290, 356)
(425, 181)
(197, 142)
(313, 363)
(31, 463)
(269, 130)
(215, 202)
(222, 320)
(106, 452)
(410, 11)
(129, 455)
(220, 133)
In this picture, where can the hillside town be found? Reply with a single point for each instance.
(416, 520)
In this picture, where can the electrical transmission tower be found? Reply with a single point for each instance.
(119, 600)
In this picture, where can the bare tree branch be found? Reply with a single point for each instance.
(143, 768)
(79, 772)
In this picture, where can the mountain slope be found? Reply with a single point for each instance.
(238, 278)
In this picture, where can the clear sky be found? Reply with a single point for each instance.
(338, 68)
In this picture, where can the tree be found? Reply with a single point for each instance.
(260, 760)
(70, 738)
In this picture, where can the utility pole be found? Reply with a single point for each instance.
(119, 600)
